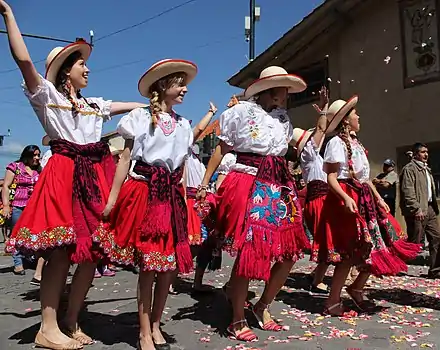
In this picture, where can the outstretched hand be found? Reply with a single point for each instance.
(323, 100)
(4, 7)
(212, 107)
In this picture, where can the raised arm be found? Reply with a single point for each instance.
(124, 107)
(205, 121)
(321, 125)
(120, 176)
(18, 49)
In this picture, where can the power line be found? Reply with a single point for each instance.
(145, 21)
(15, 69)
(35, 36)
(125, 64)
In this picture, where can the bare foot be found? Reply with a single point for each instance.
(157, 336)
(77, 334)
(55, 339)
(146, 343)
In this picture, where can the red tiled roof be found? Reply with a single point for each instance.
(211, 128)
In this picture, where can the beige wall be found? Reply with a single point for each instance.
(391, 116)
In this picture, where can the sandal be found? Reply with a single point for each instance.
(247, 336)
(327, 311)
(42, 342)
(271, 325)
(363, 305)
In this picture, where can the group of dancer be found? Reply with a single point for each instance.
(83, 210)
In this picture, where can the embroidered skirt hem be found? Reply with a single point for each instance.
(48, 221)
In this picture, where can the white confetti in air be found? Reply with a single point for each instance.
(412, 81)
(326, 56)
(386, 90)
(361, 52)
(396, 48)
(329, 79)
(387, 59)
(338, 81)
(313, 92)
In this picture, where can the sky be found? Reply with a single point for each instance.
(207, 32)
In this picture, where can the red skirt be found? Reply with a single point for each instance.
(48, 219)
(194, 223)
(342, 235)
(231, 206)
(121, 238)
(313, 217)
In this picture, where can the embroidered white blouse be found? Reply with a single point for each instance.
(229, 159)
(167, 145)
(336, 152)
(194, 171)
(312, 164)
(55, 114)
(247, 127)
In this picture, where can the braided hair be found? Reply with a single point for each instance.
(62, 84)
(344, 133)
(157, 91)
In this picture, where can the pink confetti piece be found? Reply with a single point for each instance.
(28, 310)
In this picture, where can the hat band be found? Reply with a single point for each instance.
(301, 138)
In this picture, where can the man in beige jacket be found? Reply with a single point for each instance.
(419, 205)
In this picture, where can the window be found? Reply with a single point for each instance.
(434, 161)
(315, 76)
(420, 41)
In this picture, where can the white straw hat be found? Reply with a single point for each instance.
(162, 69)
(338, 110)
(273, 77)
(45, 140)
(58, 55)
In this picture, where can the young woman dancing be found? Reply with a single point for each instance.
(63, 213)
(257, 207)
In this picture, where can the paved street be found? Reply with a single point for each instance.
(409, 318)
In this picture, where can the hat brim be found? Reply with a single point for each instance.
(45, 140)
(55, 65)
(161, 70)
(305, 137)
(292, 82)
(341, 113)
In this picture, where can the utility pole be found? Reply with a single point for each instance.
(249, 27)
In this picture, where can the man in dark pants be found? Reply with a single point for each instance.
(386, 184)
(419, 205)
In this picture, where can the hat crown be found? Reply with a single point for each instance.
(271, 71)
(52, 55)
(297, 133)
(335, 107)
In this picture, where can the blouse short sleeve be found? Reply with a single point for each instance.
(12, 167)
(133, 122)
(335, 151)
(228, 124)
(44, 93)
(104, 106)
(225, 166)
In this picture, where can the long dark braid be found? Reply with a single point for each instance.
(344, 134)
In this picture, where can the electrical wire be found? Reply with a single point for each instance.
(146, 20)
(125, 64)
(15, 69)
